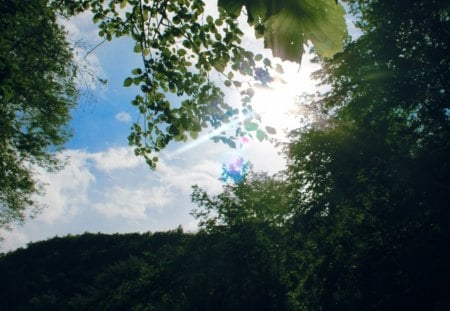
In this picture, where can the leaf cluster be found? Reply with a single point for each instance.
(182, 48)
(37, 91)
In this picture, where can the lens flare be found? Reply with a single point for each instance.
(235, 171)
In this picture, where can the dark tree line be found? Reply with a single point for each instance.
(162, 271)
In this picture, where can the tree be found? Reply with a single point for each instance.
(253, 215)
(371, 187)
(185, 52)
(37, 91)
(258, 198)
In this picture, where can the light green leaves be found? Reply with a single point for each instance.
(287, 25)
(251, 126)
(180, 46)
(260, 135)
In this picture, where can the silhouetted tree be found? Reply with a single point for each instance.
(371, 187)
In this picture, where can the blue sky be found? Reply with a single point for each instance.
(105, 188)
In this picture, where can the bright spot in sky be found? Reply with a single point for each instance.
(274, 105)
(277, 102)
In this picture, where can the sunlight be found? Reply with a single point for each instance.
(275, 105)
(204, 138)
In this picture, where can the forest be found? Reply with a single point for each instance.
(357, 221)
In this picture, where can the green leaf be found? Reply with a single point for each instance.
(128, 81)
(237, 83)
(228, 141)
(251, 126)
(136, 71)
(258, 57)
(232, 7)
(137, 48)
(291, 23)
(193, 134)
(271, 130)
(279, 69)
(260, 135)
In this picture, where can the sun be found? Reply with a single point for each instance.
(277, 103)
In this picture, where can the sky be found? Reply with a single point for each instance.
(104, 187)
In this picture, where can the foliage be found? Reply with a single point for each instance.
(159, 271)
(36, 94)
(257, 198)
(287, 25)
(256, 208)
(184, 52)
(371, 187)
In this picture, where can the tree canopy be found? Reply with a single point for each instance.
(37, 91)
(371, 186)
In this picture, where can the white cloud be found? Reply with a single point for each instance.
(133, 203)
(65, 190)
(123, 117)
(13, 240)
(114, 191)
(115, 159)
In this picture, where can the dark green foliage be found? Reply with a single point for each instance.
(254, 215)
(36, 94)
(371, 188)
(161, 271)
